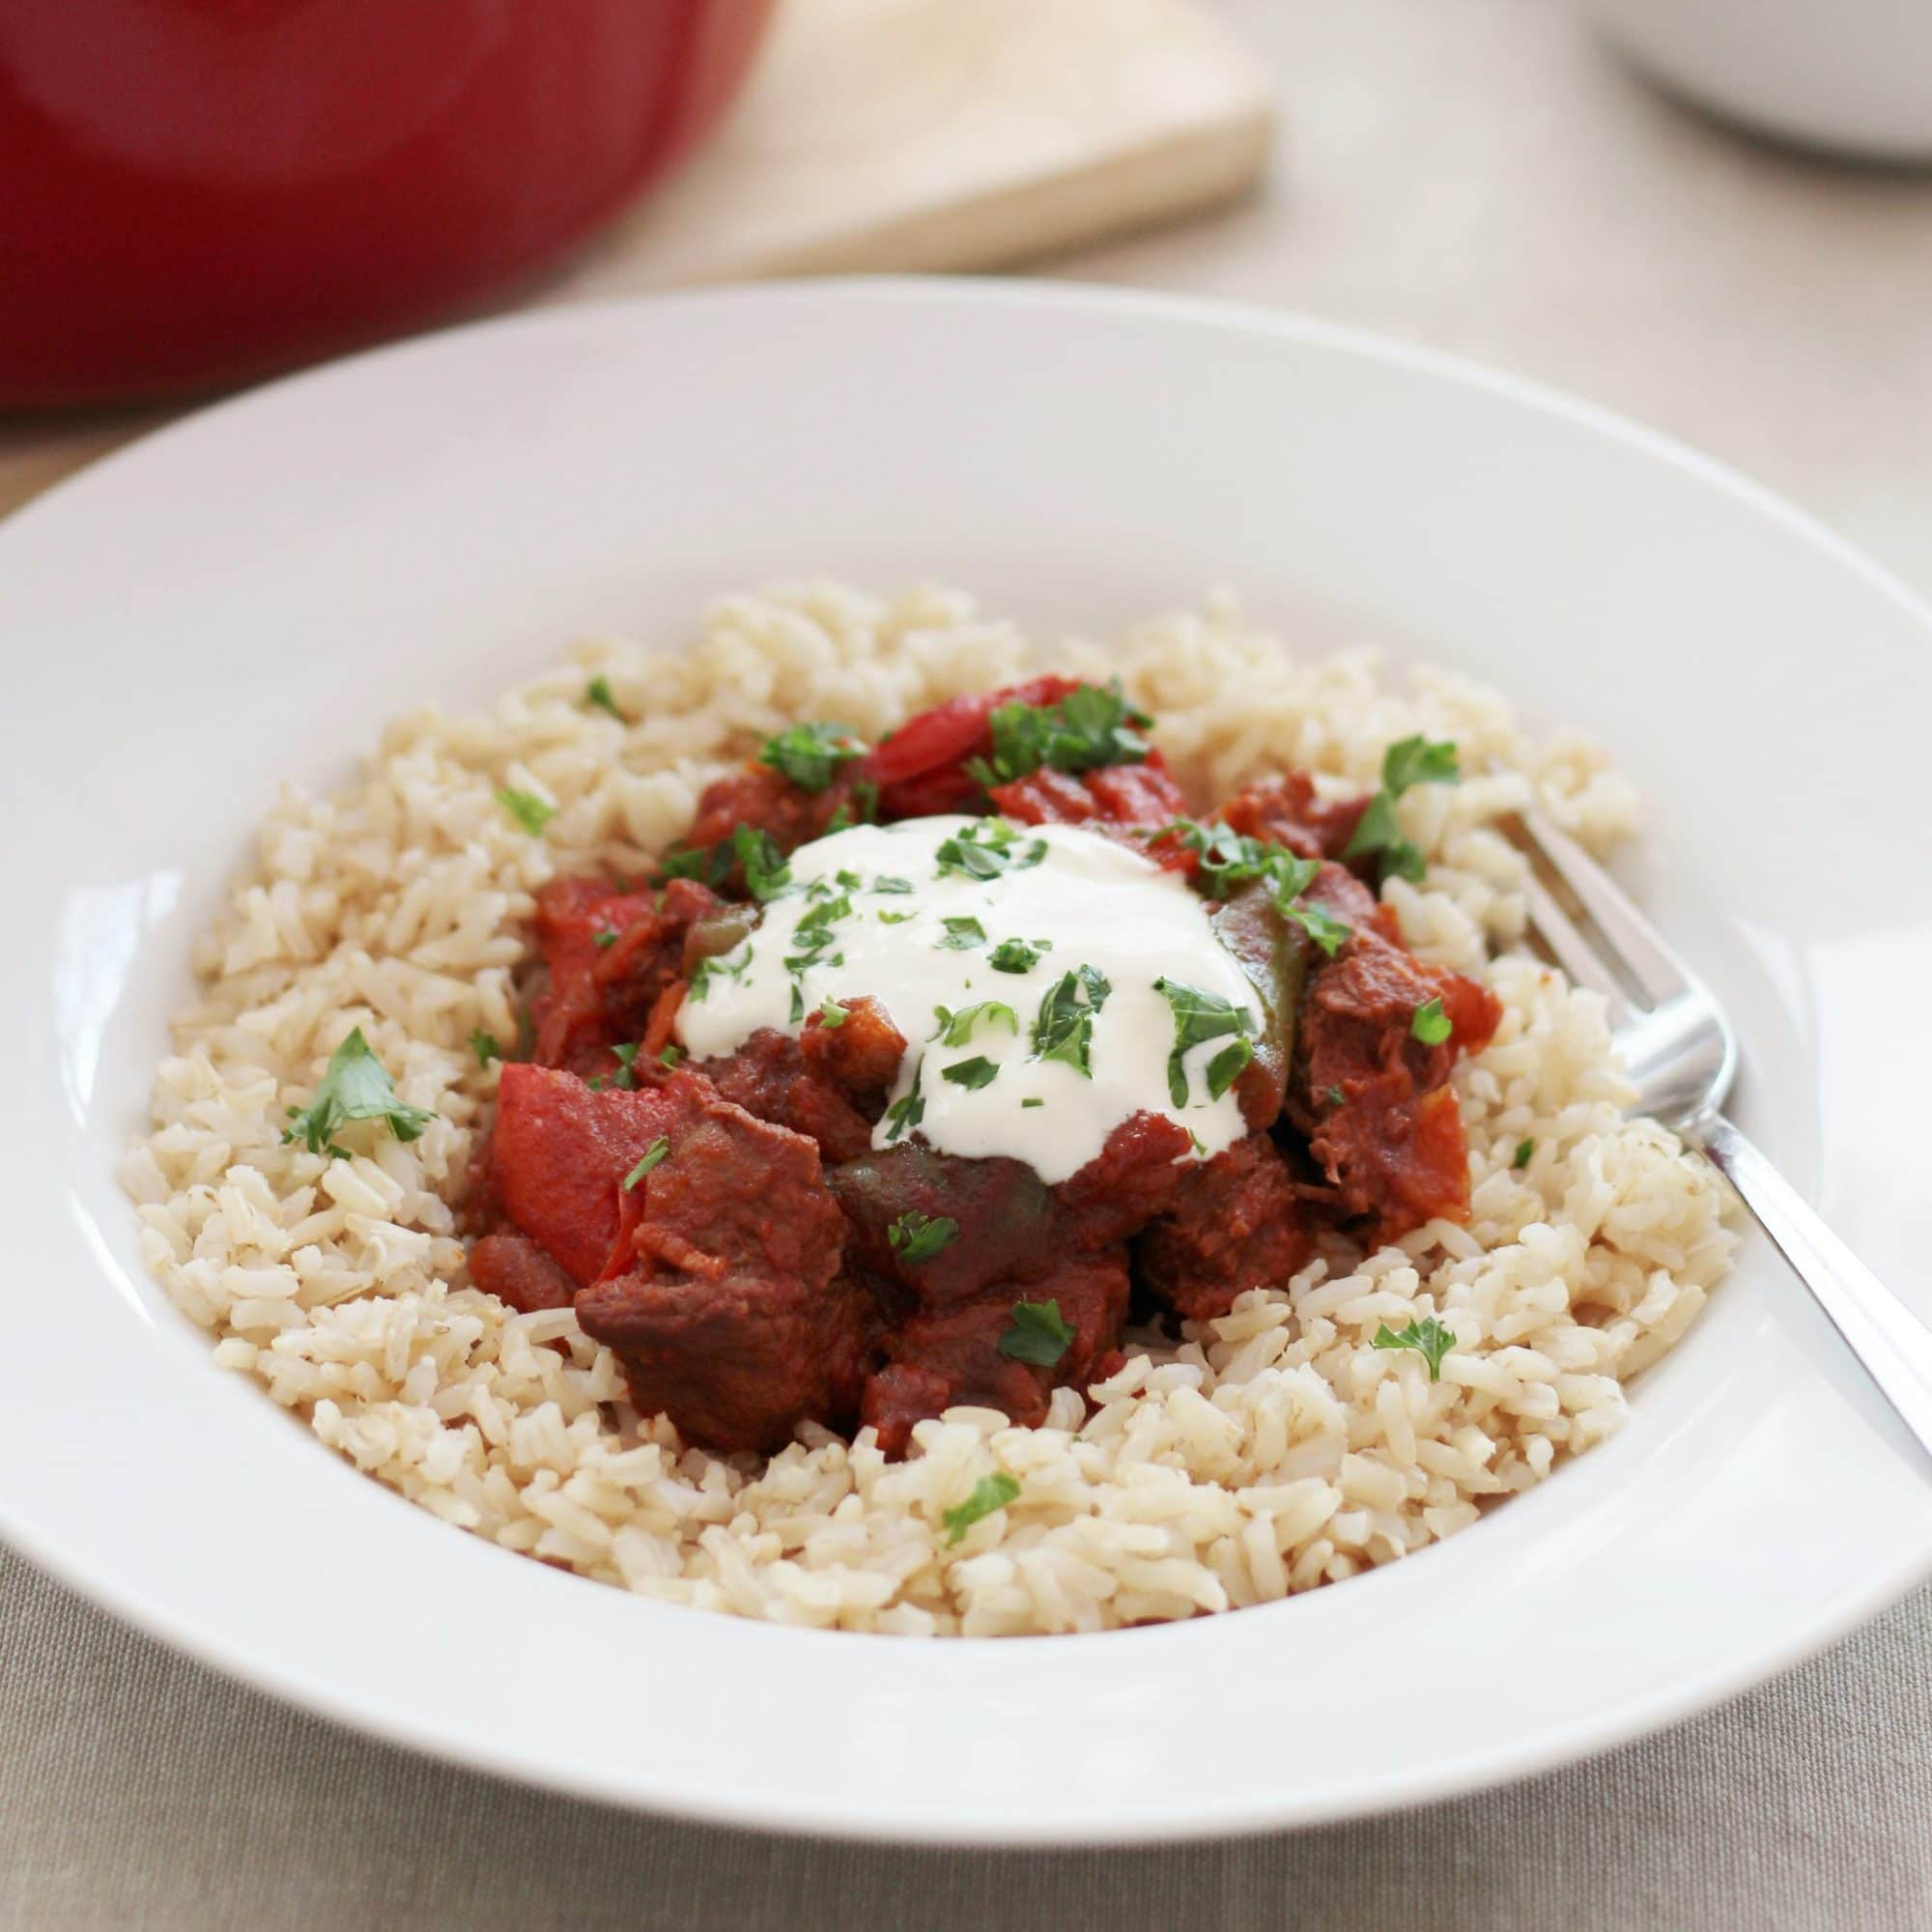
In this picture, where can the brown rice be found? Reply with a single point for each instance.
(1268, 1452)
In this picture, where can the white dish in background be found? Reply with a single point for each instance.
(245, 598)
(1854, 77)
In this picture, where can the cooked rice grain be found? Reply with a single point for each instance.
(1270, 1452)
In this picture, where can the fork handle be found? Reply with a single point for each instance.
(1894, 1346)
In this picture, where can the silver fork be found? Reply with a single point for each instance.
(1683, 1055)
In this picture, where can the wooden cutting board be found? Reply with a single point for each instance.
(952, 134)
(900, 134)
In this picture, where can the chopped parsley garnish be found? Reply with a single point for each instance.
(766, 873)
(890, 882)
(484, 1048)
(848, 878)
(653, 1154)
(1416, 761)
(1431, 1025)
(1429, 1338)
(957, 1029)
(831, 1013)
(355, 1087)
(720, 966)
(1320, 925)
(530, 811)
(1091, 727)
(963, 935)
(1523, 1151)
(604, 939)
(907, 1112)
(598, 693)
(1226, 1067)
(624, 1056)
(1334, 1096)
(1032, 1100)
(895, 918)
(710, 864)
(1017, 955)
(813, 936)
(797, 1015)
(1039, 1334)
(965, 854)
(1063, 1028)
(913, 1238)
(1378, 833)
(990, 1493)
(1199, 1016)
(865, 796)
(830, 908)
(1406, 763)
(985, 850)
(671, 1055)
(977, 1073)
(809, 755)
(1229, 859)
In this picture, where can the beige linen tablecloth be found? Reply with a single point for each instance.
(1477, 175)
(142, 1791)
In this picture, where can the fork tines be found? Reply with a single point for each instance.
(1587, 926)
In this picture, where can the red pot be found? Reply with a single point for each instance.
(192, 191)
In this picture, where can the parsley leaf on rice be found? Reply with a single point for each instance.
(356, 1087)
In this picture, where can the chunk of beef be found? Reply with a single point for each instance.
(1337, 890)
(1357, 1018)
(608, 956)
(518, 1270)
(1397, 1157)
(768, 801)
(734, 1195)
(859, 1056)
(950, 1357)
(1285, 810)
(1372, 1097)
(902, 1394)
(1129, 1181)
(736, 1361)
(1235, 1222)
(1361, 1085)
(730, 1310)
(769, 1076)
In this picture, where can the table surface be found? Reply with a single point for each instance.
(1481, 175)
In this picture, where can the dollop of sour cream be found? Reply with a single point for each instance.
(989, 944)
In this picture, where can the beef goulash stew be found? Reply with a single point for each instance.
(922, 1065)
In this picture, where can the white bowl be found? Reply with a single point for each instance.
(1851, 76)
(243, 598)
